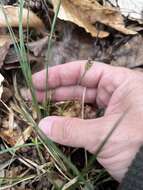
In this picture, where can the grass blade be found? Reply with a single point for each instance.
(47, 105)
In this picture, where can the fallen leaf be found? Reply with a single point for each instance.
(70, 12)
(87, 12)
(37, 47)
(87, 4)
(12, 14)
(130, 9)
(12, 60)
(8, 132)
(14, 136)
(130, 54)
(24, 136)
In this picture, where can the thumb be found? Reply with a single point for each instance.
(76, 132)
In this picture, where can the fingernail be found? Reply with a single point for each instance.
(25, 93)
(46, 125)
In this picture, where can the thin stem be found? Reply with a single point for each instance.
(48, 55)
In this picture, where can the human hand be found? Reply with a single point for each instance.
(113, 88)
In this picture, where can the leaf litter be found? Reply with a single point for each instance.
(12, 14)
(86, 13)
(25, 160)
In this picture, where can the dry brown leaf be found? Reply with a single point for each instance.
(87, 4)
(8, 131)
(12, 14)
(37, 47)
(16, 136)
(24, 136)
(12, 133)
(9, 137)
(12, 60)
(86, 13)
(130, 54)
(70, 12)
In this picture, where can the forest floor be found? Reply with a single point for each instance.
(27, 161)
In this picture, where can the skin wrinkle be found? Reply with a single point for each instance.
(114, 163)
(91, 98)
(115, 104)
(64, 75)
(66, 136)
(99, 103)
(102, 85)
(118, 100)
(76, 94)
(108, 151)
(72, 92)
(116, 133)
(117, 97)
(102, 98)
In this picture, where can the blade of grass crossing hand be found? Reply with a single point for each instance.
(47, 105)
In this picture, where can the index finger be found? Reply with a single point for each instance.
(70, 74)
